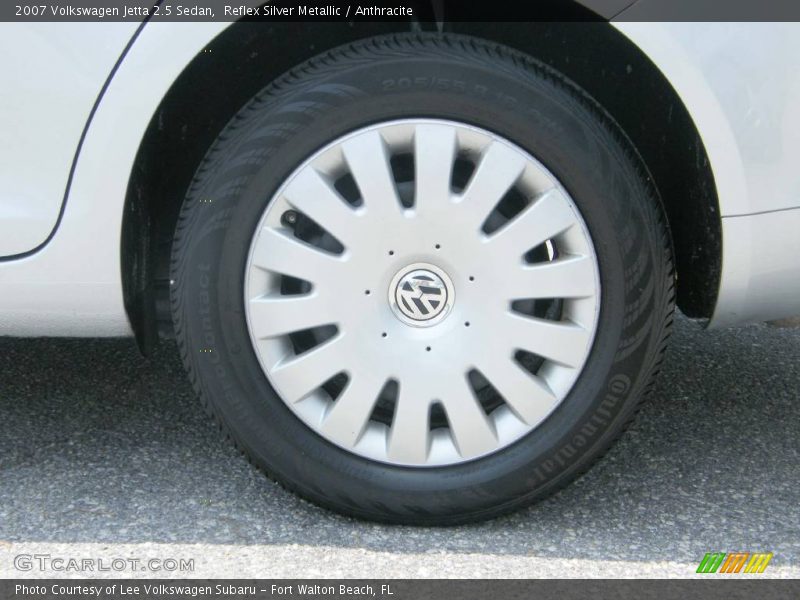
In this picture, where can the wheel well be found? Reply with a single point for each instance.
(232, 69)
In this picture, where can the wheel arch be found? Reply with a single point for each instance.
(231, 69)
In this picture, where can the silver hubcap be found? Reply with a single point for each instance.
(422, 292)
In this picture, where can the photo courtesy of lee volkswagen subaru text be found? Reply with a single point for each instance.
(418, 273)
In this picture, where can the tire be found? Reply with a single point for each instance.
(463, 82)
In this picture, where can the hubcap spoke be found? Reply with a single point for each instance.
(499, 169)
(547, 217)
(564, 343)
(571, 277)
(311, 194)
(422, 293)
(280, 315)
(279, 253)
(300, 375)
(526, 395)
(473, 431)
(368, 161)
(409, 438)
(434, 153)
(347, 418)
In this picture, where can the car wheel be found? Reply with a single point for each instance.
(422, 279)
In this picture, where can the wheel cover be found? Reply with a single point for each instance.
(422, 292)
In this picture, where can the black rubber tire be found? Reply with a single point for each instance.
(462, 79)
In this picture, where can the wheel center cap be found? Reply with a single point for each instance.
(421, 295)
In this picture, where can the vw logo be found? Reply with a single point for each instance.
(421, 295)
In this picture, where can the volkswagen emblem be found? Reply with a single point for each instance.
(421, 295)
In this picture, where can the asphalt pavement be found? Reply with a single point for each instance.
(107, 455)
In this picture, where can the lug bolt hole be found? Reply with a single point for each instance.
(437, 246)
(391, 252)
(466, 324)
(367, 292)
(427, 349)
(471, 278)
(384, 334)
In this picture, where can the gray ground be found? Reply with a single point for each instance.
(105, 454)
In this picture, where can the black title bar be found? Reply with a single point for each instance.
(420, 11)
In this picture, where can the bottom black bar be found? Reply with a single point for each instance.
(714, 586)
